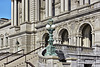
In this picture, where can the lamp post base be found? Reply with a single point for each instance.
(50, 51)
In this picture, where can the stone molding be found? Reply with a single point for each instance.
(5, 25)
(20, 33)
(85, 12)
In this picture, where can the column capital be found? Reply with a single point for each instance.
(79, 35)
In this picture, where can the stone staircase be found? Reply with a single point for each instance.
(36, 58)
(30, 59)
(9, 56)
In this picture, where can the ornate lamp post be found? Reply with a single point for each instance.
(50, 49)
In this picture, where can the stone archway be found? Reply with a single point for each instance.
(64, 36)
(45, 39)
(85, 31)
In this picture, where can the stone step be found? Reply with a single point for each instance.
(7, 60)
(21, 62)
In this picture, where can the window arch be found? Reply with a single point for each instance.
(86, 40)
(64, 36)
(45, 39)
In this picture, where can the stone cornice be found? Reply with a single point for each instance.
(62, 16)
(5, 25)
(20, 33)
(26, 23)
(14, 27)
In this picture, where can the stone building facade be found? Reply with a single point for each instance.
(4, 33)
(77, 24)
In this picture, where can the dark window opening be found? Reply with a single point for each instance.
(69, 5)
(53, 8)
(46, 40)
(89, 1)
(64, 37)
(87, 65)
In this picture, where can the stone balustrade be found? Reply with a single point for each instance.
(42, 60)
(48, 61)
(74, 49)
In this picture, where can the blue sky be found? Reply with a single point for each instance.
(5, 9)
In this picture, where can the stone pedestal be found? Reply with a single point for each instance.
(26, 26)
(49, 61)
(52, 61)
(96, 49)
(72, 61)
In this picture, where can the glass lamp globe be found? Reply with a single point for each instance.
(53, 26)
(47, 26)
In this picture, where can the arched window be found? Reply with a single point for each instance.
(86, 36)
(45, 39)
(64, 36)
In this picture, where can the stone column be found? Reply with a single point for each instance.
(37, 10)
(81, 2)
(26, 10)
(15, 12)
(78, 40)
(75, 42)
(57, 41)
(19, 13)
(0, 43)
(69, 40)
(50, 8)
(23, 11)
(93, 38)
(62, 6)
(86, 42)
(12, 12)
(86, 2)
(66, 5)
(47, 8)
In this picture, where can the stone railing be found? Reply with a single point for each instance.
(42, 60)
(5, 49)
(23, 59)
(10, 56)
(74, 49)
(48, 61)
